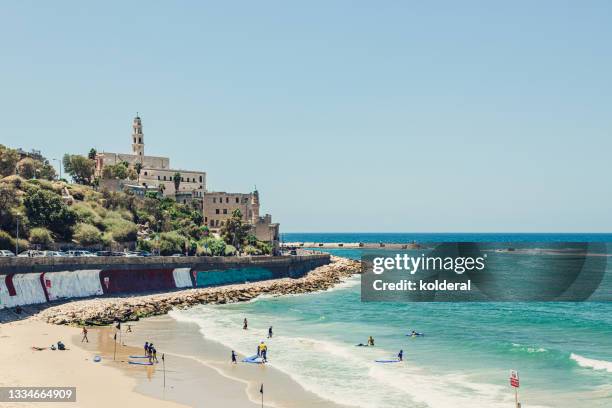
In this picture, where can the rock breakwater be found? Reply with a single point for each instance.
(104, 311)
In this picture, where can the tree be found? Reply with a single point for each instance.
(80, 168)
(92, 154)
(177, 181)
(138, 168)
(27, 168)
(235, 231)
(8, 160)
(41, 236)
(47, 172)
(8, 202)
(46, 209)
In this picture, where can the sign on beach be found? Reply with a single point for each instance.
(514, 378)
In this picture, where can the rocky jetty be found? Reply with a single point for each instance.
(104, 311)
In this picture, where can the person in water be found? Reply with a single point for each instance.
(400, 355)
(245, 324)
(414, 334)
(270, 332)
(234, 361)
(370, 341)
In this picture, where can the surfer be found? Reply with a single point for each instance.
(262, 350)
(146, 348)
(245, 324)
(270, 332)
(400, 355)
(370, 341)
(85, 335)
(234, 357)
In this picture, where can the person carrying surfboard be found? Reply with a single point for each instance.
(370, 341)
(400, 355)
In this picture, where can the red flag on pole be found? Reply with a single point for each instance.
(514, 379)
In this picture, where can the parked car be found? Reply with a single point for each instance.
(6, 252)
(110, 253)
(78, 252)
(54, 254)
(31, 253)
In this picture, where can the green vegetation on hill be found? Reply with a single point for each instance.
(48, 211)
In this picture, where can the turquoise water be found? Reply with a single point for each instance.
(563, 351)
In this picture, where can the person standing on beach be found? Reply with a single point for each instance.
(85, 335)
(146, 348)
(400, 355)
(154, 354)
(245, 324)
(234, 361)
(270, 332)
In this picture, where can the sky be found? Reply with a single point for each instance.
(356, 116)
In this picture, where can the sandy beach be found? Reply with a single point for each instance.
(198, 372)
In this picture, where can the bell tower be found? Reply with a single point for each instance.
(137, 137)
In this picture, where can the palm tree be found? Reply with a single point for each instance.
(138, 168)
(177, 181)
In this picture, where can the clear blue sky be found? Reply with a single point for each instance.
(348, 115)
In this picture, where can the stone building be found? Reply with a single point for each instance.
(156, 170)
(219, 206)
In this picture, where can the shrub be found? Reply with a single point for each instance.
(86, 234)
(41, 236)
(145, 245)
(230, 250)
(171, 243)
(214, 245)
(121, 229)
(86, 214)
(251, 250)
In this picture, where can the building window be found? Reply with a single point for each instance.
(217, 211)
(206, 219)
(200, 179)
(134, 140)
(225, 211)
(159, 178)
(140, 139)
(215, 200)
(227, 199)
(182, 179)
(145, 173)
(237, 200)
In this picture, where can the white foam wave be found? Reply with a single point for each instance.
(592, 363)
(342, 373)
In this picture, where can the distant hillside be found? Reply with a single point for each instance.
(47, 213)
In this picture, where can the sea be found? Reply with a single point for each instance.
(561, 351)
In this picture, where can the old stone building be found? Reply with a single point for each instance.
(156, 170)
(157, 175)
(219, 206)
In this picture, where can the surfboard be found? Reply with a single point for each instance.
(388, 361)
(139, 356)
(253, 360)
(97, 359)
(139, 363)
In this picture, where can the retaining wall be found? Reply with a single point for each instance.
(25, 281)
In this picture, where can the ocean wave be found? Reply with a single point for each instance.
(599, 365)
(345, 374)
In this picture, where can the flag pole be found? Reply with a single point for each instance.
(115, 352)
(164, 367)
(261, 392)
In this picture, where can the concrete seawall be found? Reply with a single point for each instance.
(25, 281)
